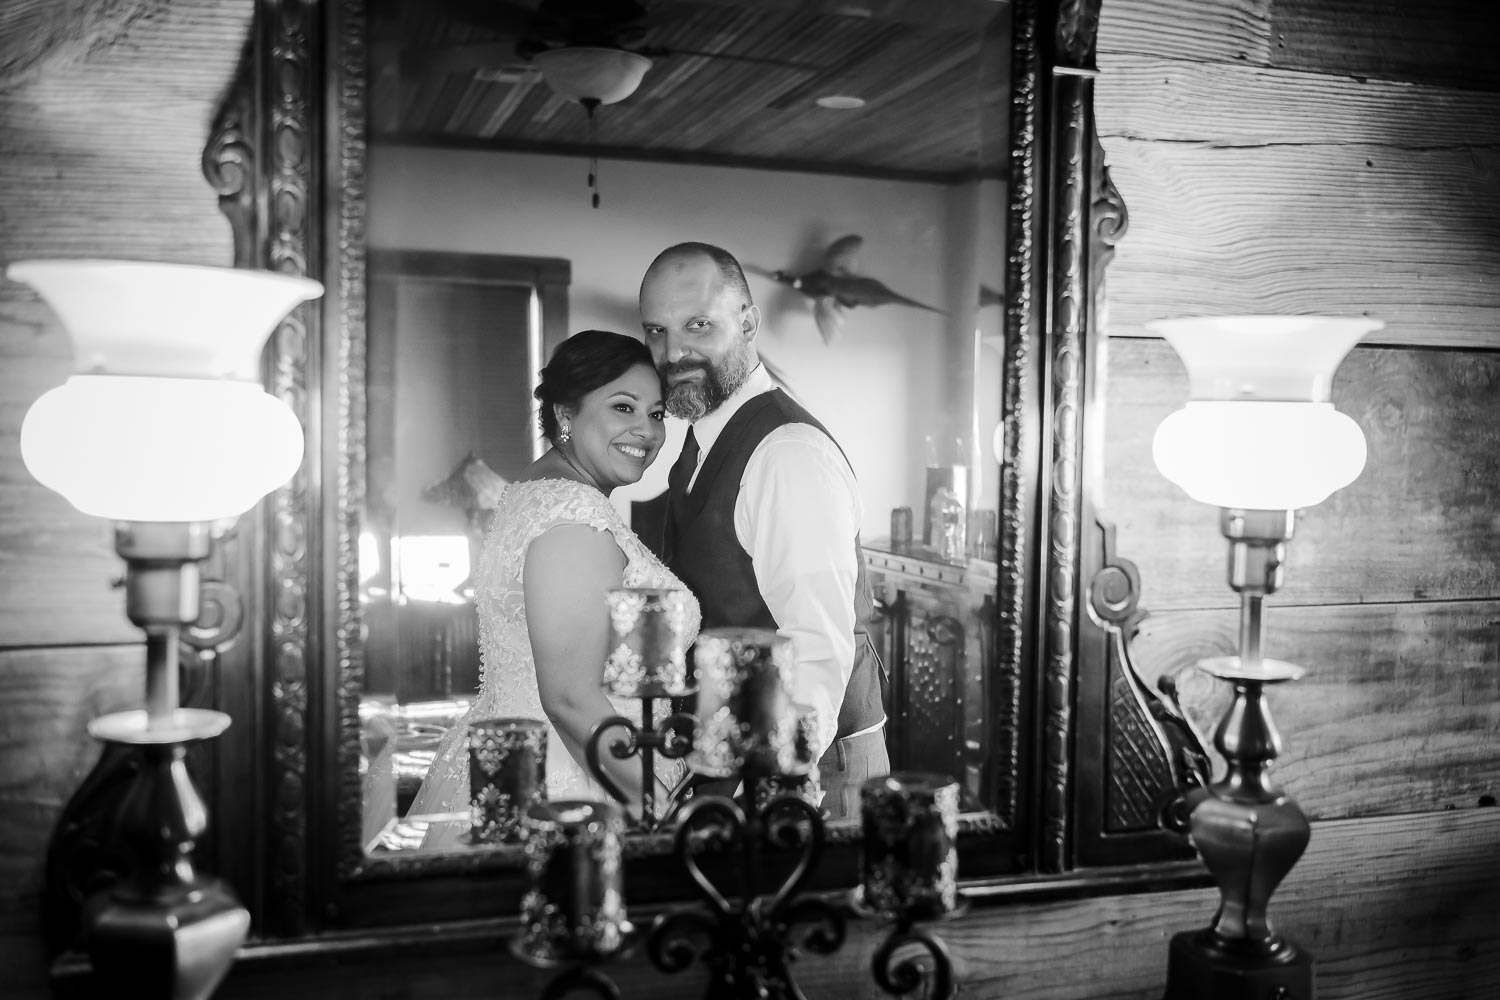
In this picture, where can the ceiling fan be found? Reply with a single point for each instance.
(587, 51)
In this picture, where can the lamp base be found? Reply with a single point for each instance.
(163, 929)
(176, 944)
(1198, 969)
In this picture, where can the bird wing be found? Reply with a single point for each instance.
(842, 255)
(830, 318)
(871, 292)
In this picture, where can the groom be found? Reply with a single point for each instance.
(763, 512)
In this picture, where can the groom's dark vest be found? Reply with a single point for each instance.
(702, 548)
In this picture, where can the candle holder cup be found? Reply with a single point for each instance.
(648, 660)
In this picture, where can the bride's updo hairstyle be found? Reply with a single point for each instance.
(581, 364)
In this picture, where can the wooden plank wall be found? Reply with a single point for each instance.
(1337, 156)
(104, 111)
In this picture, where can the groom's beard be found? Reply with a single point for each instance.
(698, 397)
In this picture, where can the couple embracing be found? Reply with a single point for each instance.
(762, 527)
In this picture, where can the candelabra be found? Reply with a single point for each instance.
(1260, 440)
(574, 917)
(647, 662)
(163, 430)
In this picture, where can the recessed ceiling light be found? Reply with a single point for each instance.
(840, 102)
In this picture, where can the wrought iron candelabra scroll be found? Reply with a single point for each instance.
(672, 738)
(574, 918)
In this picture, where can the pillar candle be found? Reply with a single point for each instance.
(576, 906)
(507, 775)
(910, 864)
(648, 643)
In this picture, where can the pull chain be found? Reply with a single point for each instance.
(589, 104)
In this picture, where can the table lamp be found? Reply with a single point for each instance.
(164, 429)
(1260, 439)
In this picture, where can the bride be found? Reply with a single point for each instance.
(555, 545)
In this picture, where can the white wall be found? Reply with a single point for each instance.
(880, 389)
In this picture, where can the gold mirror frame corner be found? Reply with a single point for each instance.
(287, 156)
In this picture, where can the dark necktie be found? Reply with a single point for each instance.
(682, 469)
(677, 488)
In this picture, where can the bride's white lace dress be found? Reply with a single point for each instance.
(508, 686)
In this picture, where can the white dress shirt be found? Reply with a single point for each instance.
(797, 515)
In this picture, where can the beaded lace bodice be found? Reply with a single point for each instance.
(508, 684)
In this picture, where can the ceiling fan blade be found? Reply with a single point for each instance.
(501, 16)
(468, 57)
(662, 53)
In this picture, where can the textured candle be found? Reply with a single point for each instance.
(648, 643)
(507, 775)
(576, 906)
(745, 715)
(910, 863)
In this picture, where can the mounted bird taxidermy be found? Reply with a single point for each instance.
(837, 285)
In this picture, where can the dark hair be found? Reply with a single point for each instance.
(729, 268)
(581, 364)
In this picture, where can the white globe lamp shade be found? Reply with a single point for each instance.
(1259, 432)
(128, 317)
(138, 448)
(586, 73)
(164, 420)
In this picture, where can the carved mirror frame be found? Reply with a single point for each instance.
(287, 156)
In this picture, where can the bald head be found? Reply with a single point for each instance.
(674, 259)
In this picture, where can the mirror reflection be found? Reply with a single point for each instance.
(850, 159)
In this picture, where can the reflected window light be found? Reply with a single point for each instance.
(431, 567)
(369, 557)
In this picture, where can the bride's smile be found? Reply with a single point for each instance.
(617, 430)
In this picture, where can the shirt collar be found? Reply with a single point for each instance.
(707, 428)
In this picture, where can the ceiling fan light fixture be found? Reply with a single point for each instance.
(840, 102)
(586, 73)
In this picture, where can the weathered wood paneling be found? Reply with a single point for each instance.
(1168, 100)
(46, 699)
(1391, 907)
(1407, 235)
(1399, 710)
(1223, 32)
(1442, 41)
(1419, 523)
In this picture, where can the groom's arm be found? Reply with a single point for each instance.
(797, 515)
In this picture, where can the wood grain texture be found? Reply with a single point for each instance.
(1174, 100)
(47, 698)
(38, 36)
(1226, 31)
(1396, 907)
(1418, 525)
(1399, 710)
(1440, 41)
(1411, 236)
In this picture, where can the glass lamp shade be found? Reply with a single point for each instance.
(1259, 456)
(128, 317)
(164, 421)
(136, 448)
(581, 72)
(1259, 432)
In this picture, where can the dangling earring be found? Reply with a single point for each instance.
(565, 436)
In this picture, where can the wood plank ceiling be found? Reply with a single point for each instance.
(934, 75)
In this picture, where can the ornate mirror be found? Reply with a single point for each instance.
(466, 218)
